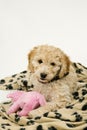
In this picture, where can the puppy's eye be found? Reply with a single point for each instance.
(53, 64)
(40, 61)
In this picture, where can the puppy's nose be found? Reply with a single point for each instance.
(43, 75)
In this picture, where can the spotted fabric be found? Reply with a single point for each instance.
(72, 117)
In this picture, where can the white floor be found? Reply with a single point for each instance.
(3, 96)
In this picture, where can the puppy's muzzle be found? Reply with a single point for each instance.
(43, 76)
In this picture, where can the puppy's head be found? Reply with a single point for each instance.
(48, 63)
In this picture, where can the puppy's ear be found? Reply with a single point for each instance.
(65, 66)
(30, 58)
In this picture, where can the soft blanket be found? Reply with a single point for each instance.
(72, 117)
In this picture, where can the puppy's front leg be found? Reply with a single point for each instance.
(50, 106)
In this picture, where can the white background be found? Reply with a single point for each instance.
(27, 23)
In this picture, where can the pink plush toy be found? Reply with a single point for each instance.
(24, 102)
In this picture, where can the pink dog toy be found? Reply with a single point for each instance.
(26, 101)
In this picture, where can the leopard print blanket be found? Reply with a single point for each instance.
(72, 117)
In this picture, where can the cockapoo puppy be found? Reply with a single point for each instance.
(52, 74)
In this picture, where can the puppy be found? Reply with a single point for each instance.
(52, 74)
